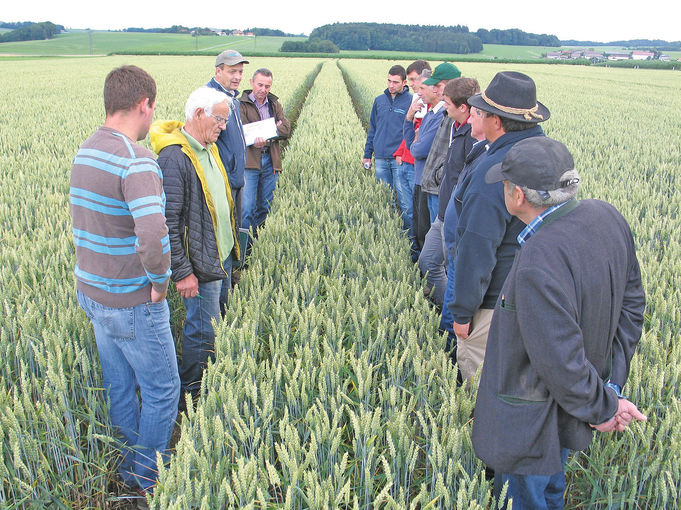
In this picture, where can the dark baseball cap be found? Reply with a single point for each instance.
(536, 163)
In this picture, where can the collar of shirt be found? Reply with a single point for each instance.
(438, 106)
(231, 93)
(193, 142)
(534, 225)
(251, 96)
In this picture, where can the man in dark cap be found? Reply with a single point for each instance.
(485, 234)
(564, 329)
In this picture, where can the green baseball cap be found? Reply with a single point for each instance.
(445, 71)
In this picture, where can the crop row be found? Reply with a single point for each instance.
(620, 127)
(331, 388)
(58, 448)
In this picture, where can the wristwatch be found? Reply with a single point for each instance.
(616, 388)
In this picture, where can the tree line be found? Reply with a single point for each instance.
(27, 31)
(383, 36)
(311, 45)
(516, 37)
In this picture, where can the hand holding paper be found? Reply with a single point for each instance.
(265, 129)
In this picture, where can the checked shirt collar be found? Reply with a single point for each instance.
(534, 225)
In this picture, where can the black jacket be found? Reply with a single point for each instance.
(569, 318)
(193, 244)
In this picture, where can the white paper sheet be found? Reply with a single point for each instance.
(262, 129)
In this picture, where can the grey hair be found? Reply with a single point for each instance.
(206, 98)
(540, 199)
(263, 71)
(426, 73)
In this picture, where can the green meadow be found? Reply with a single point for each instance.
(96, 42)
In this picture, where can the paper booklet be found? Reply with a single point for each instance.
(262, 129)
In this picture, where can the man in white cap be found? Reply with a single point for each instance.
(564, 330)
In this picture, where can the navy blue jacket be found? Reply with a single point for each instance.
(460, 146)
(486, 234)
(231, 143)
(451, 219)
(421, 147)
(385, 124)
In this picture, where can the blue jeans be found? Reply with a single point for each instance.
(137, 352)
(258, 192)
(404, 189)
(433, 201)
(385, 170)
(535, 492)
(198, 338)
(432, 262)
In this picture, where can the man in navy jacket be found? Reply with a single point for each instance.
(229, 68)
(485, 237)
(385, 125)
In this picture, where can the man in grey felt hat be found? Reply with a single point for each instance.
(564, 330)
(485, 233)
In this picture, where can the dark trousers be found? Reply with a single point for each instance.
(236, 196)
(421, 217)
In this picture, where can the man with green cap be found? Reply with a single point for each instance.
(432, 172)
(421, 147)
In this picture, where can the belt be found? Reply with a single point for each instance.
(265, 150)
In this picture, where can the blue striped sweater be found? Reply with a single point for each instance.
(119, 228)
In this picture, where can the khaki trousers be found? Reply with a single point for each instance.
(470, 352)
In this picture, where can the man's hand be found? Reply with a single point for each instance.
(414, 109)
(260, 142)
(626, 412)
(367, 163)
(188, 287)
(157, 297)
(461, 330)
(398, 159)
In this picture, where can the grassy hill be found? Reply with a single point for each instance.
(83, 42)
(96, 42)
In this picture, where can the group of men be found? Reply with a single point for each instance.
(543, 288)
(139, 221)
(539, 289)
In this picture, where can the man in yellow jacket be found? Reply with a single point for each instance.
(200, 219)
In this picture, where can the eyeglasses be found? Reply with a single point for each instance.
(477, 112)
(220, 120)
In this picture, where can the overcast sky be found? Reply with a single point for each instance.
(577, 19)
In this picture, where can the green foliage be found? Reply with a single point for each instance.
(383, 36)
(32, 32)
(625, 144)
(312, 45)
(330, 388)
(58, 447)
(516, 37)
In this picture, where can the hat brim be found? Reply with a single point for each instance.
(494, 174)
(478, 102)
(431, 81)
(236, 61)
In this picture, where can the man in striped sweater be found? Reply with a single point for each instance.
(123, 269)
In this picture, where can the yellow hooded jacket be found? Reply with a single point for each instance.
(164, 133)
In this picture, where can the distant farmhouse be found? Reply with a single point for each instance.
(593, 56)
(598, 56)
(642, 55)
